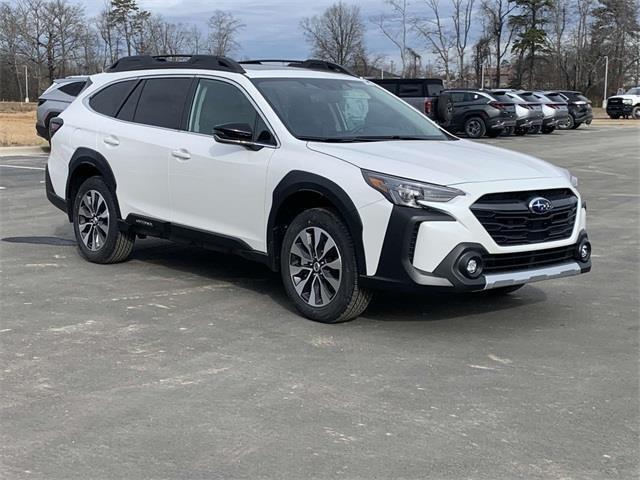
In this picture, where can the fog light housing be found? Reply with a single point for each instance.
(470, 265)
(583, 251)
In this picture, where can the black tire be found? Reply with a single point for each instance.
(535, 129)
(504, 290)
(349, 299)
(115, 246)
(474, 127)
(548, 130)
(635, 113)
(495, 132)
(568, 124)
(520, 131)
(507, 131)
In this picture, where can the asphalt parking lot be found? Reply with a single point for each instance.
(183, 363)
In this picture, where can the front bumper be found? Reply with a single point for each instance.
(424, 249)
(619, 109)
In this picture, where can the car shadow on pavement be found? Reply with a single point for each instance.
(386, 305)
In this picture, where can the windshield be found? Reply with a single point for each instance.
(339, 110)
(634, 91)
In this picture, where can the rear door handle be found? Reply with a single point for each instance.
(111, 140)
(181, 154)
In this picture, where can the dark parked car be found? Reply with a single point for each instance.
(478, 113)
(421, 93)
(579, 108)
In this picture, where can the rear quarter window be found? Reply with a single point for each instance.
(108, 100)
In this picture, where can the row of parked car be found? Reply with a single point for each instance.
(480, 112)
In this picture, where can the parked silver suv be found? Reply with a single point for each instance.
(55, 99)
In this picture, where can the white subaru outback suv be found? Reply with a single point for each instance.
(321, 175)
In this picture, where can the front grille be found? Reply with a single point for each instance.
(508, 262)
(507, 218)
(614, 101)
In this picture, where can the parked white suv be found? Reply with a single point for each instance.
(324, 176)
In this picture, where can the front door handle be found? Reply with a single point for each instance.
(111, 140)
(181, 154)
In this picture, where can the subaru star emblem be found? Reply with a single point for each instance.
(540, 205)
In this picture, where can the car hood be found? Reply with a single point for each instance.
(631, 97)
(447, 162)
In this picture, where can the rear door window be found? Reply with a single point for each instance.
(412, 89)
(457, 97)
(128, 110)
(108, 100)
(162, 102)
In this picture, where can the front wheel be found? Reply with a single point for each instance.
(568, 124)
(95, 223)
(319, 270)
(635, 113)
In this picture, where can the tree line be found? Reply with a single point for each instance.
(516, 43)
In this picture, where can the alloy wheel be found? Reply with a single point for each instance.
(474, 128)
(93, 220)
(315, 266)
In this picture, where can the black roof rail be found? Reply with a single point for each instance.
(311, 64)
(148, 62)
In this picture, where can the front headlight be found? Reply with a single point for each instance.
(628, 101)
(409, 193)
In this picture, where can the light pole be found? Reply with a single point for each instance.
(26, 85)
(482, 76)
(606, 78)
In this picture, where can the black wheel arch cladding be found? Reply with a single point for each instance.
(298, 181)
(83, 158)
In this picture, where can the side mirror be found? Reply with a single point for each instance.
(235, 133)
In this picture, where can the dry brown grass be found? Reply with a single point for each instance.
(18, 125)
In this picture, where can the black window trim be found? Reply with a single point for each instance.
(192, 96)
(137, 79)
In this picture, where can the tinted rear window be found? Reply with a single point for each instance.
(108, 100)
(162, 102)
(410, 90)
(72, 88)
(502, 97)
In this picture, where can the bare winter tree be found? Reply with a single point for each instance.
(462, 13)
(437, 37)
(337, 35)
(223, 33)
(397, 27)
(500, 35)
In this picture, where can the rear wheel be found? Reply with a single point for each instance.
(319, 270)
(95, 224)
(474, 127)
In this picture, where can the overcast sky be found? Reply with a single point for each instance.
(272, 28)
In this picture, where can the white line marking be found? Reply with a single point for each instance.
(20, 166)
